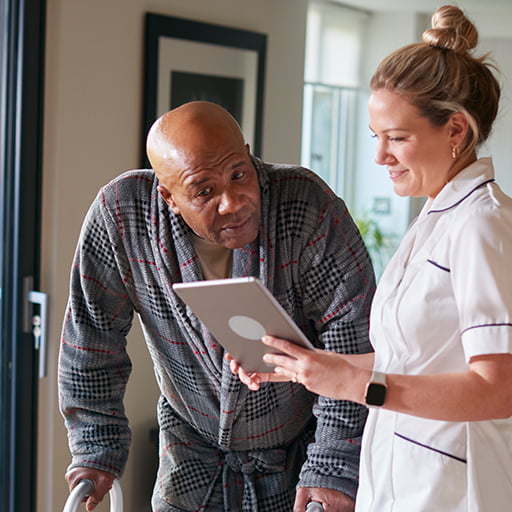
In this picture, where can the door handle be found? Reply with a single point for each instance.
(36, 323)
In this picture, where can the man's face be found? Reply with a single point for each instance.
(216, 191)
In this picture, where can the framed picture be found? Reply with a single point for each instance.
(381, 205)
(188, 60)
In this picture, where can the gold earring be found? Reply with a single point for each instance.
(455, 152)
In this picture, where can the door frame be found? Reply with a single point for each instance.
(22, 36)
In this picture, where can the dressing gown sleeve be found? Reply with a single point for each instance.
(339, 284)
(93, 363)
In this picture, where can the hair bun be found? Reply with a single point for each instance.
(451, 30)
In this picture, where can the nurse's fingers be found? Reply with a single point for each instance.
(284, 346)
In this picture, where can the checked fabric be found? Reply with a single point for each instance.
(222, 447)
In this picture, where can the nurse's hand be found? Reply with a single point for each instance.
(326, 373)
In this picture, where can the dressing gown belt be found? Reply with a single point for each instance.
(250, 465)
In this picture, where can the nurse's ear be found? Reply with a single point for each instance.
(458, 129)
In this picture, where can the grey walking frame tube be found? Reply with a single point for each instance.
(85, 487)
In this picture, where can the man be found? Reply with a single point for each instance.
(211, 210)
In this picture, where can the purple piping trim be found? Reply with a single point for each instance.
(439, 266)
(460, 200)
(505, 324)
(430, 448)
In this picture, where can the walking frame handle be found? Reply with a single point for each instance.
(314, 506)
(85, 487)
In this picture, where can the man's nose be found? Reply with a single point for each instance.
(230, 202)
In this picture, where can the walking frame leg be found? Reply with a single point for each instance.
(85, 487)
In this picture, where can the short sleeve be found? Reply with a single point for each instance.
(482, 280)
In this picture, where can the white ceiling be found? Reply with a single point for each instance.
(493, 18)
(480, 7)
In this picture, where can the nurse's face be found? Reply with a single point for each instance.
(417, 154)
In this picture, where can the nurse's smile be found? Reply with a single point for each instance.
(394, 175)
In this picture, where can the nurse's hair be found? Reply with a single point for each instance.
(440, 76)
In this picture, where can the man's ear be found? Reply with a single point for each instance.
(167, 197)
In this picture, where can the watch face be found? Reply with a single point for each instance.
(375, 394)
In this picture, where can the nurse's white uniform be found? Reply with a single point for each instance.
(445, 296)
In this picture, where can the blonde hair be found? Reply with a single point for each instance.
(440, 76)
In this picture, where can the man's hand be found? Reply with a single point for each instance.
(253, 380)
(331, 500)
(102, 483)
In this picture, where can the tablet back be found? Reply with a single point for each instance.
(238, 312)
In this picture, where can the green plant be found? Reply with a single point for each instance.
(378, 244)
(372, 235)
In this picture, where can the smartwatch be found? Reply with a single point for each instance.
(376, 388)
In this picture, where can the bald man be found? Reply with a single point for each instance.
(209, 209)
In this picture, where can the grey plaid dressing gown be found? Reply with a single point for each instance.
(222, 447)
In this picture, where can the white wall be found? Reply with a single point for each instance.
(93, 119)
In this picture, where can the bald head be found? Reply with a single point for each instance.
(206, 174)
(187, 132)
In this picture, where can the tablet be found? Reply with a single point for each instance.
(238, 312)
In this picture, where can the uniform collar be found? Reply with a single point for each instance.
(462, 186)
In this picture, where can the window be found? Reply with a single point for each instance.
(334, 47)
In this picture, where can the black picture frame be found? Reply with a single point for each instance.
(223, 64)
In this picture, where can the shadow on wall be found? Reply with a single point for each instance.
(144, 454)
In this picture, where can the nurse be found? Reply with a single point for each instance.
(439, 433)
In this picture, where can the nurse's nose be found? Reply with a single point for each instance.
(382, 154)
(230, 202)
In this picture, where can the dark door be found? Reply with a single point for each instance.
(21, 100)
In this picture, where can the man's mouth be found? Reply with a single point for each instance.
(235, 226)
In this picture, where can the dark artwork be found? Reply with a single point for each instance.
(226, 92)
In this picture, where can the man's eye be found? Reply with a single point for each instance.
(205, 192)
(238, 175)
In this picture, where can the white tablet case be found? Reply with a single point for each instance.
(238, 312)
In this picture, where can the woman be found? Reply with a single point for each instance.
(439, 433)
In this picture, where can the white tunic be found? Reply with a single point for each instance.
(445, 297)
